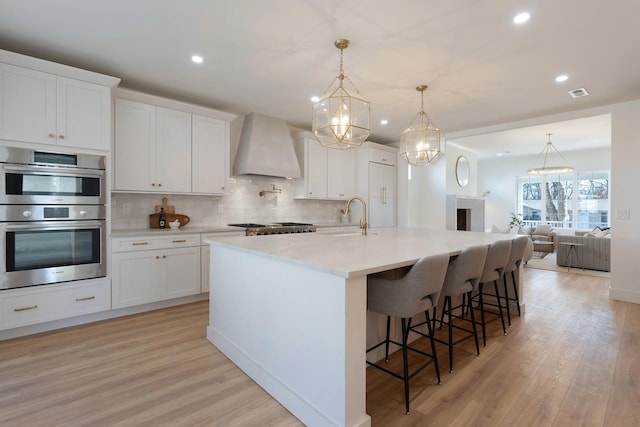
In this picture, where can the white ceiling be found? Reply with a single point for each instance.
(271, 56)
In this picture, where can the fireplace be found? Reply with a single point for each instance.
(463, 222)
(465, 213)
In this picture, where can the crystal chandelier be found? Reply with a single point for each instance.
(421, 138)
(547, 166)
(341, 117)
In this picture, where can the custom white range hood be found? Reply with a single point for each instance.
(266, 148)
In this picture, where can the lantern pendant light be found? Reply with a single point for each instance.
(421, 139)
(341, 118)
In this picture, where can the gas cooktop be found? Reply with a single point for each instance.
(276, 228)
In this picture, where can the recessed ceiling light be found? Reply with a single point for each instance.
(197, 59)
(562, 78)
(521, 18)
(384, 122)
(315, 98)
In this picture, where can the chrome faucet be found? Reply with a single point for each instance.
(363, 221)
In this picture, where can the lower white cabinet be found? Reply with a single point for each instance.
(28, 306)
(150, 269)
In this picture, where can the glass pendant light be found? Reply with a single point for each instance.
(341, 118)
(421, 139)
(547, 166)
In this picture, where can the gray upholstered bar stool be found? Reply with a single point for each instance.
(463, 277)
(494, 265)
(416, 292)
(518, 247)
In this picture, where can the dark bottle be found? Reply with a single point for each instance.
(162, 221)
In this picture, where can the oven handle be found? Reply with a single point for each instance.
(58, 171)
(51, 225)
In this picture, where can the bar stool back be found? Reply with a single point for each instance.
(518, 247)
(463, 276)
(494, 266)
(418, 291)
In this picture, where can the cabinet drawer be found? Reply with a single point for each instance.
(23, 307)
(127, 244)
(382, 156)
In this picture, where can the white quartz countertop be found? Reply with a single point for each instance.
(188, 229)
(349, 254)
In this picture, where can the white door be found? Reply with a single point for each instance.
(210, 155)
(27, 105)
(382, 188)
(135, 146)
(173, 150)
(83, 114)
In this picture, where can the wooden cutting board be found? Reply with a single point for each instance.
(154, 219)
(169, 209)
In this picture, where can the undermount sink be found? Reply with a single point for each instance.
(348, 233)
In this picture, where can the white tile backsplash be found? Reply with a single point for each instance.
(241, 204)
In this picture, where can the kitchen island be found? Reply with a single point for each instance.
(291, 310)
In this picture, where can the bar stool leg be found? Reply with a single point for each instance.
(515, 291)
(482, 319)
(473, 323)
(506, 299)
(405, 361)
(386, 346)
(433, 346)
(495, 287)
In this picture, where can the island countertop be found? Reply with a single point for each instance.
(350, 254)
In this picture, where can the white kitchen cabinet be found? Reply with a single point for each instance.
(149, 269)
(210, 155)
(382, 188)
(341, 179)
(43, 108)
(152, 148)
(327, 174)
(37, 304)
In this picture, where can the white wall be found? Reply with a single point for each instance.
(625, 203)
(499, 177)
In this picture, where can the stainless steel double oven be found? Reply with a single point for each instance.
(52, 217)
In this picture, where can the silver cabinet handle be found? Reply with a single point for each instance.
(85, 298)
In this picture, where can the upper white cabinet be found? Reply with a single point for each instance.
(209, 155)
(169, 150)
(152, 149)
(43, 108)
(326, 173)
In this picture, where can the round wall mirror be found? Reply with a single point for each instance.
(462, 171)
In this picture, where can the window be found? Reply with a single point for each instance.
(553, 199)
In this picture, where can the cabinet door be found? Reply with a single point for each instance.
(315, 169)
(135, 137)
(173, 150)
(210, 155)
(341, 170)
(182, 272)
(205, 251)
(136, 278)
(27, 105)
(382, 184)
(83, 114)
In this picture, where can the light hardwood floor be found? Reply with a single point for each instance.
(571, 359)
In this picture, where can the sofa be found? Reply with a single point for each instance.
(594, 252)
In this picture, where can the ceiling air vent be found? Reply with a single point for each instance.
(577, 93)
